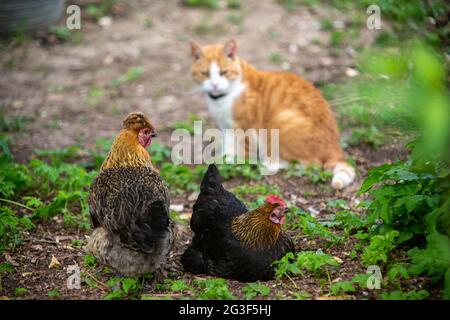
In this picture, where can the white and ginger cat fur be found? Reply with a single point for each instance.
(241, 96)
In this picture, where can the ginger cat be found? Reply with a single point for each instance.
(241, 96)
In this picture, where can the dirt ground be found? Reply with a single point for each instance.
(50, 83)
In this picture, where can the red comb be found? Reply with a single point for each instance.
(275, 199)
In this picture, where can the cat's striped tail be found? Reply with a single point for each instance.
(343, 175)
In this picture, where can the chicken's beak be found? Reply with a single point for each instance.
(154, 134)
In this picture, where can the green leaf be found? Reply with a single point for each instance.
(179, 286)
(18, 292)
(434, 260)
(446, 291)
(399, 270)
(342, 287)
(130, 285)
(400, 295)
(53, 293)
(90, 261)
(252, 290)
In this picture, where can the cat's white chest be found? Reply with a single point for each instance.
(222, 109)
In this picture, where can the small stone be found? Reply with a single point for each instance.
(140, 90)
(105, 22)
(176, 67)
(351, 52)
(108, 59)
(177, 207)
(326, 61)
(302, 42)
(286, 66)
(317, 25)
(350, 72)
(168, 100)
(293, 48)
(338, 24)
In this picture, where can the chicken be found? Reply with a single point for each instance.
(129, 205)
(230, 241)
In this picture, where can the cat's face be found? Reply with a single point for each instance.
(216, 68)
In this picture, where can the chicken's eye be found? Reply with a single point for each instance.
(146, 131)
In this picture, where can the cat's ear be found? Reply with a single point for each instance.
(230, 48)
(196, 50)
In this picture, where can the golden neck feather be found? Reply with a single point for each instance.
(126, 151)
(255, 231)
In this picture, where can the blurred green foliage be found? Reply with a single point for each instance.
(411, 198)
(425, 19)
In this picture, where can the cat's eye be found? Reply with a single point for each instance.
(205, 73)
(223, 72)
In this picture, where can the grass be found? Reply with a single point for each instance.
(131, 75)
(148, 23)
(98, 10)
(234, 4)
(211, 4)
(275, 57)
(205, 27)
(65, 35)
(236, 18)
(94, 96)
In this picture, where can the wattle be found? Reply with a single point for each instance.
(145, 142)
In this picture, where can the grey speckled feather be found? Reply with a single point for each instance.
(129, 208)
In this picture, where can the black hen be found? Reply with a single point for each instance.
(230, 241)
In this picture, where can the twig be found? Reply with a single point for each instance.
(293, 282)
(17, 204)
(96, 280)
(41, 240)
(164, 294)
(329, 277)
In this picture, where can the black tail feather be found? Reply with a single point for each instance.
(211, 183)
